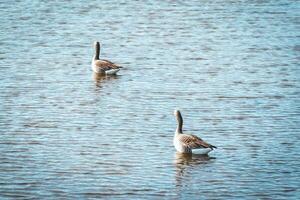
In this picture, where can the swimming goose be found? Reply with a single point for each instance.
(101, 66)
(185, 143)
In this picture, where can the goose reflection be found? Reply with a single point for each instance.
(185, 163)
(99, 78)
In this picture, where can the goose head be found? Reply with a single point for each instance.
(96, 45)
(177, 113)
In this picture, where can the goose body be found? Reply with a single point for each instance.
(188, 143)
(101, 66)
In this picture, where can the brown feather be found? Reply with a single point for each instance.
(105, 65)
(113, 64)
(192, 141)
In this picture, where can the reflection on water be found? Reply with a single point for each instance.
(98, 78)
(191, 173)
(185, 162)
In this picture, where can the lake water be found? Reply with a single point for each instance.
(231, 67)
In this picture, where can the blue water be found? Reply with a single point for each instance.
(231, 67)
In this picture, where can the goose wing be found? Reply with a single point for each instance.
(194, 142)
(106, 65)
(115, 66)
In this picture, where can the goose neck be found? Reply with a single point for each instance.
(97, 51)
(179, 123)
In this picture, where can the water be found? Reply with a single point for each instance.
(231, 67)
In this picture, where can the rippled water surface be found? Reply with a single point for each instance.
(231, 67)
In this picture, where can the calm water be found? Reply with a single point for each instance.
(231, 67)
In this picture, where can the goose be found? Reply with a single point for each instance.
(101, 66)
(185, 143)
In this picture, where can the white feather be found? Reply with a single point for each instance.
(202, 151)
(112, 71)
